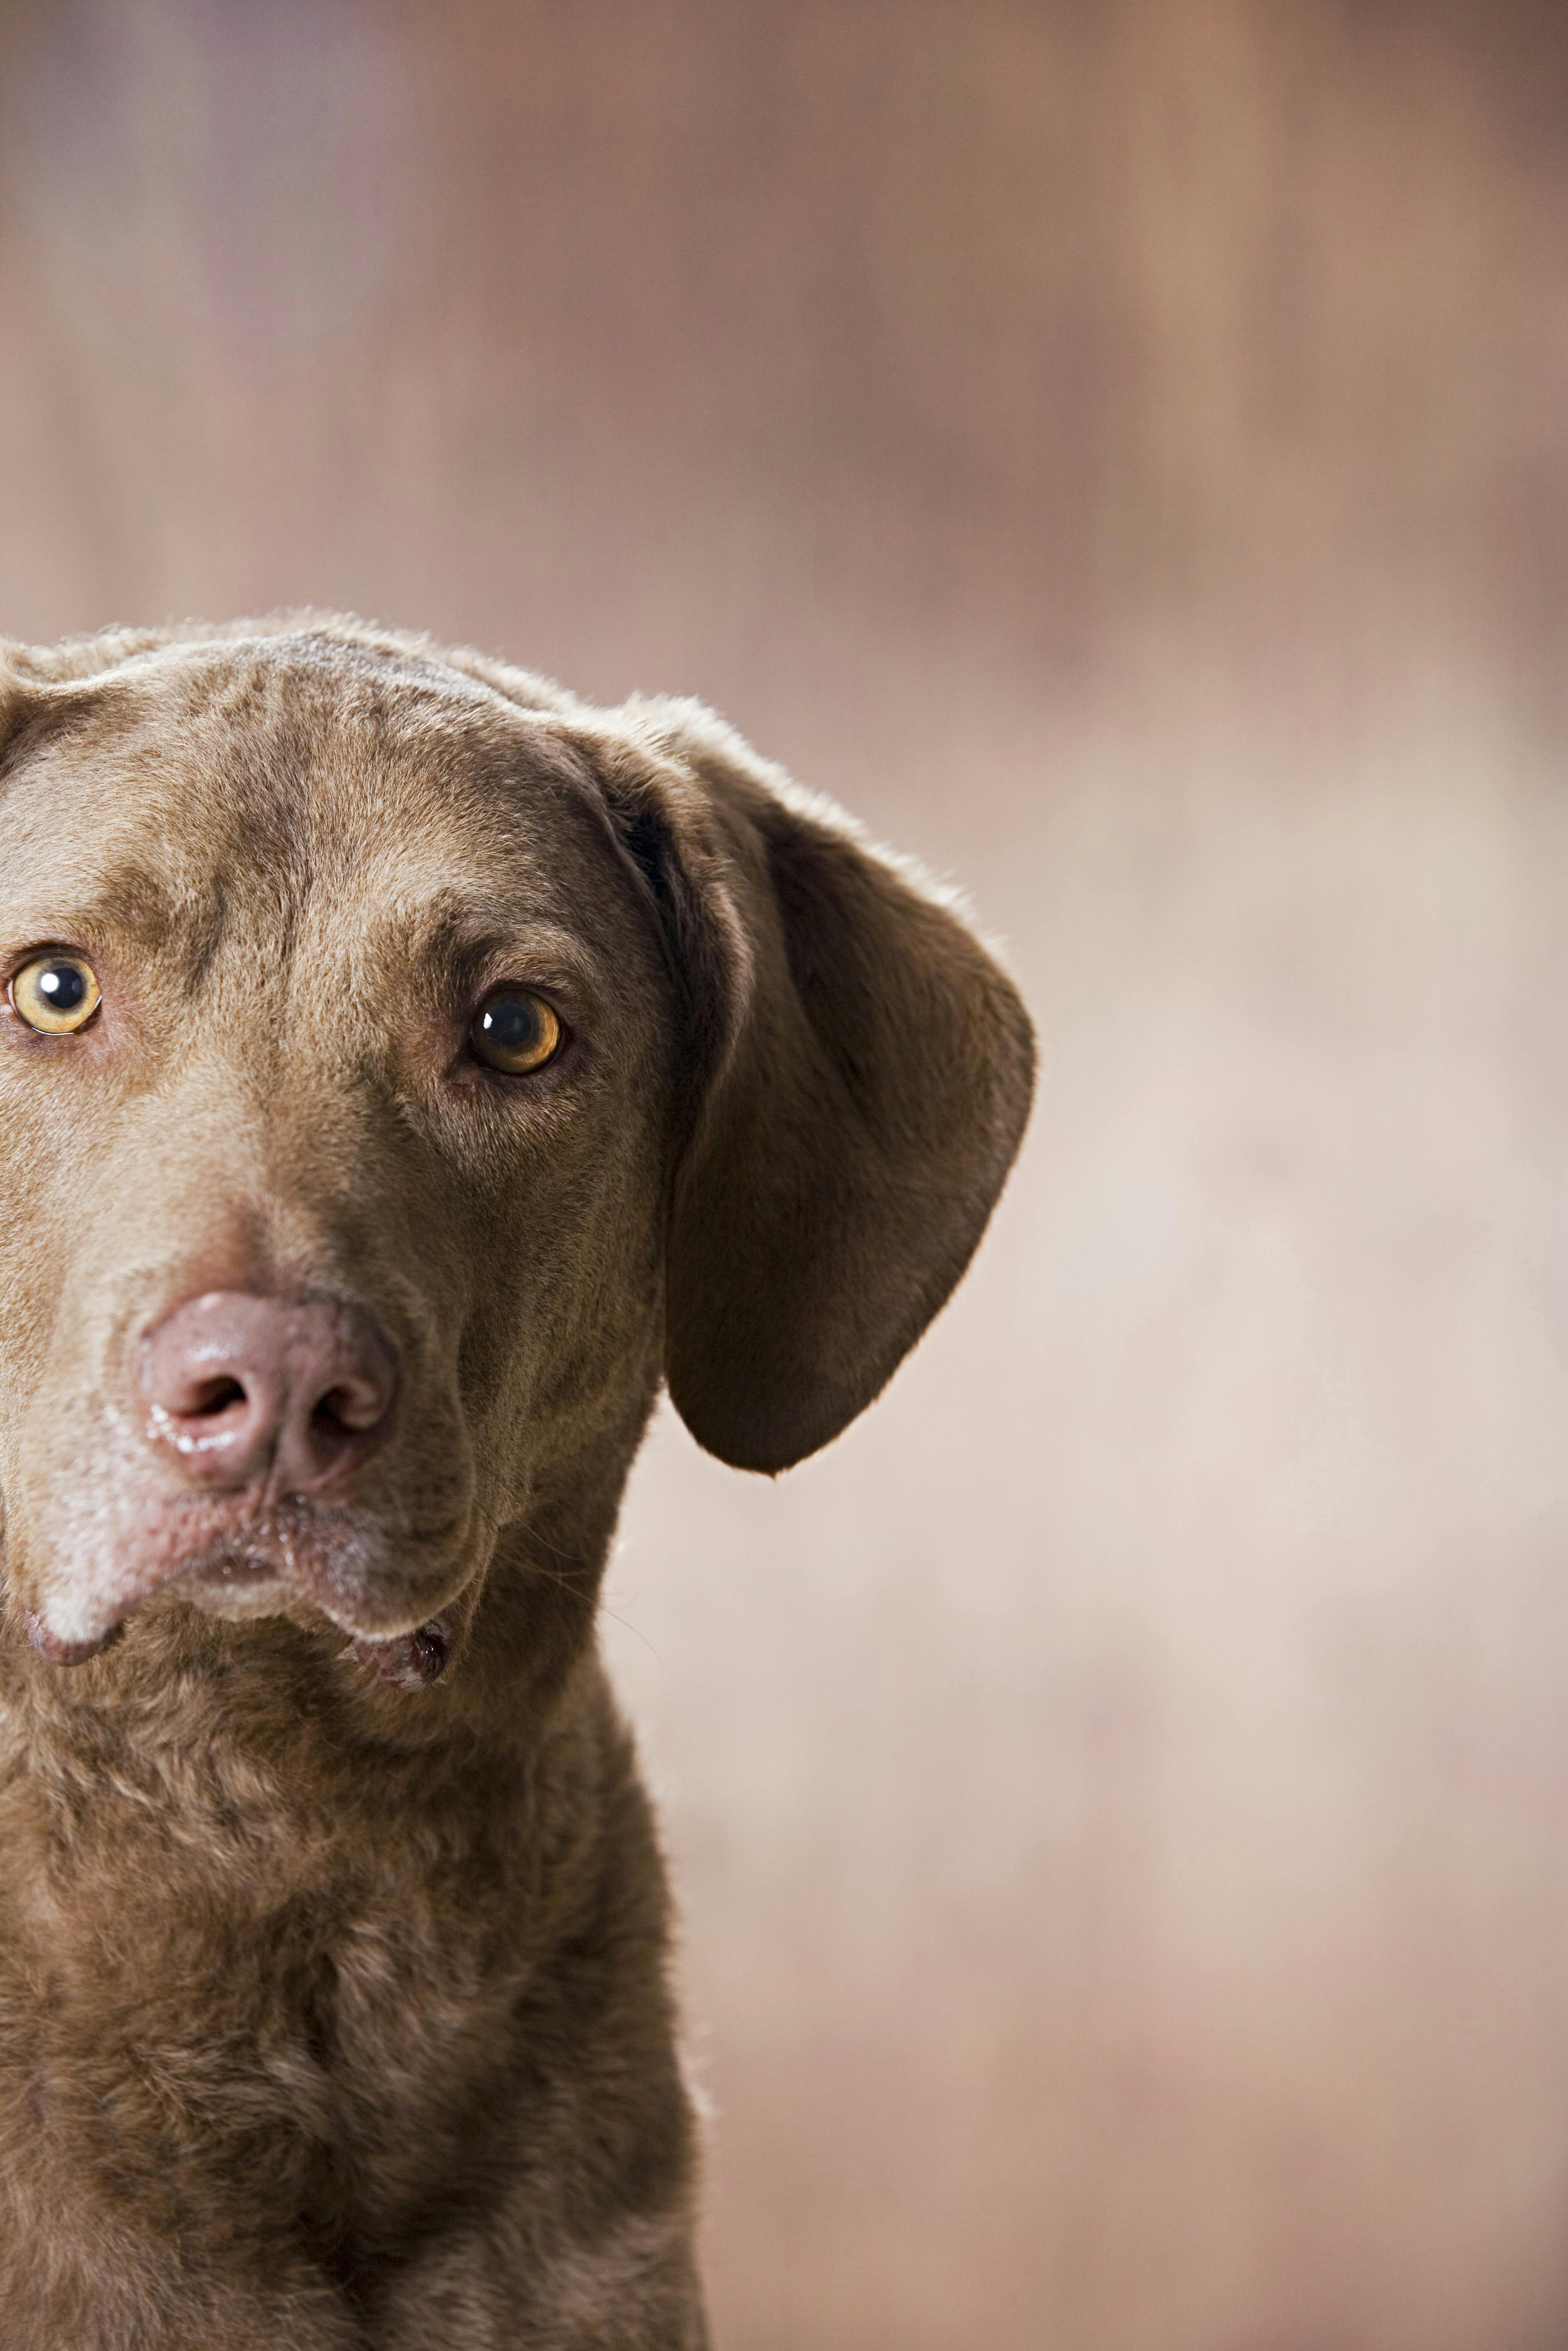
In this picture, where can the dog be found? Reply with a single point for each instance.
(405, 1070)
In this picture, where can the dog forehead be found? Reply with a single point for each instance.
(280, 780)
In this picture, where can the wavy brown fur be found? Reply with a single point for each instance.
(333, 2006)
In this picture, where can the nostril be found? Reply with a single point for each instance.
(327, 1415)
(215, 1397)
(346, 1409)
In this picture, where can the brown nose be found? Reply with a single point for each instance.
(300, 1389)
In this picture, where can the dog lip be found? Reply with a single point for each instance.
(234, 1584)
(50, 1647)
(411, 1660)
(237, 1557)
(233, 1571)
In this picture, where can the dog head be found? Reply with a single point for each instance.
(403, 1066)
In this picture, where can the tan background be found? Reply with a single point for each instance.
(1119, 1792)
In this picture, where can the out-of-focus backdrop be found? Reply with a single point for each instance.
(1119, 1794)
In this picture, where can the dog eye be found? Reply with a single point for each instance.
(55, 993)
(514, 1030)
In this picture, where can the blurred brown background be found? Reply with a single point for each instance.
(1119, 1792)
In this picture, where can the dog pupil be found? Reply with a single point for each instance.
(62, 986)
(511, 1025)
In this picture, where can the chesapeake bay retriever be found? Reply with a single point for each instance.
(404, 1067)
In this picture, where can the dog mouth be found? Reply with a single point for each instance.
(407, 1661)
(293, 1559)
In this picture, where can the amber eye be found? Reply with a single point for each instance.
(55, 993)
(514, 1030)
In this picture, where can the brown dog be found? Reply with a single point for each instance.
(404, 1066)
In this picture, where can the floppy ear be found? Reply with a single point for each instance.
(865, 1069)
(18, 693)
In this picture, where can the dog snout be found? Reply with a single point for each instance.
(241, 1388)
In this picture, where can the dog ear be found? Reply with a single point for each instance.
(862, 1069)
(20, 700)
(12, 691)
(35, 681)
